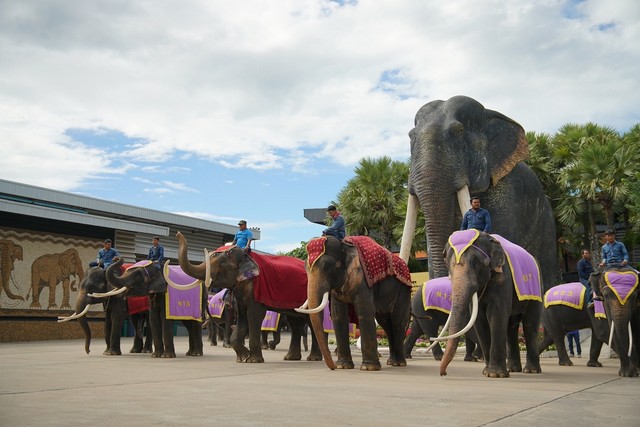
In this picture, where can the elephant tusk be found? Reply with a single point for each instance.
(630, 340)
(474, 315)
(207, 274)
(318, 309)
(463, 199)
(305, 305)
(440, 335)
(409, 228)
(611, 334)
(110, 293)
(74, 316)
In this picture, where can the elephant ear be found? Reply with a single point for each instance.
(247, 268)
(497, 255)
(507, 144)
(353, 271)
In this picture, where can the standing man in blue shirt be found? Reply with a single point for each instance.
(614, 253)
(243, 237)
(107, 254)
(476, 217)
(156, 252)
(338, 228)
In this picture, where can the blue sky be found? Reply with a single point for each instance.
(257, 110)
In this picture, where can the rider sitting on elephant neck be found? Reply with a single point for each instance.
(337, 228)
(476, 217)
(243, 237)
(156, 252)
(106, 255)
(614, 253)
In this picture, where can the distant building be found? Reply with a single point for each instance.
(62, 233)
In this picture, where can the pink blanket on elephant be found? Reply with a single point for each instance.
(622, 283)
(569, 294)
(282, 282)
(436, 294)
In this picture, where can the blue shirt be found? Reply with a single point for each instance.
(156, 253)
(105, 258)
(242, 238)
(584, 269)
(480, 220)
(337, 229)
(614, 253)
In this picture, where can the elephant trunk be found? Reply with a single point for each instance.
(195, 271)
(460, 296)
(314, 293)
(83, 321)
(117, 280)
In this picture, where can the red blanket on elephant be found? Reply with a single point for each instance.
(378, 262)
(282, 282)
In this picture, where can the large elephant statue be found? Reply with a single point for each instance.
(146, 278)
(458, 149)
(501, 282)
(10, 252)
(619, 289)
(115, 310)
(51, 269)
(430, 308)
(565, 310)
(259, 283)
(360, 273)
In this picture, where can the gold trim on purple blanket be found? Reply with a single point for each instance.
(622, 283)
(143, 263)
(569, 294)
(524, 270)
(436, 294)
(462, 240)
(270, 321)
(598, 309)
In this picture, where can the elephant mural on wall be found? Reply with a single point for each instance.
(565, 310)
(360, 273)
(458, 149)
(620, 291)
(51, 269)
(10, 252)
(115, 310)
(484, 269)
(430, 308)
(259, 283)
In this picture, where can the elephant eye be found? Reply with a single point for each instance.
(456, 129)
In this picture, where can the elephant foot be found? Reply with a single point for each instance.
(495, 373)
(470, 358)
(293, 356)
(345, 364)
(110, 352)
(194, 353)
(437, 357)
(531, 368)
(514, 367)
(147, 350)
(272, 345)
(135, 350)
(408, 356)
(226, 345)
(255, 359)
(156, 354)
(395, 362)
(563, 362)
(370, 366)
(628, 372)
(594, 364)
(314, 358)
(264, 346)
(213, 344)
(169, 355)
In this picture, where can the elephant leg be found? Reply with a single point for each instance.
(415, 331)
(167, 350)
(276, 339)
(395, 335)
(432, 328)
(156, 322)
(496, 325)
(148, 336)
(138, 338)
(212, 332)
(530, 327)
(514, 363)
(195, 337)
(295, 351)
(594, 351)
(470, 347)
(340, 318)
(117, 314)
(255, 315)
(264, 340)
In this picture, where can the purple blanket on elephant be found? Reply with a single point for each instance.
(270, 321)
(184, 294)
(436, 294)
(216, 303)
(327, 323)
(569, 294)
(622, 283)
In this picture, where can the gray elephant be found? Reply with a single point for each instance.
(620, 290)
(51, 269)
(259, 283)
(222, 311)
(501, 283)
(459, 148)
(565, 310)
(430, 308)
(10, 252)
(360, 273)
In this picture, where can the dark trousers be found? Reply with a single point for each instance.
(571, 337)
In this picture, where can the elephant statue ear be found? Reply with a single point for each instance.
(507, 144)
(497, 256)
(247, 269)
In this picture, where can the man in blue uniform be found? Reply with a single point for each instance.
(476, 217)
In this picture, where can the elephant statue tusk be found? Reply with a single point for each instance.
(74, 316)
(110, 293)
(409, 228)
(474, 315)
(444, 328)
(463, 199)
(323, 304)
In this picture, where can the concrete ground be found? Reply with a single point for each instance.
(55, 383)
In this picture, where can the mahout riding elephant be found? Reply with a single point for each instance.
(619, 289)
(10, 252)
(566, 309)
(430, 308)
(146, 278)
(458, 149)
(360, 273)
(115, 310)
(501, 282)
(259, 283)
(51, 269)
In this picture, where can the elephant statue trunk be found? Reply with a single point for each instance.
(196, 271)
